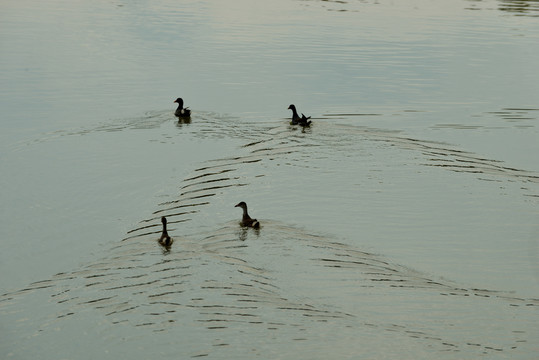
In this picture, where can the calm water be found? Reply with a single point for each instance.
(404, 223)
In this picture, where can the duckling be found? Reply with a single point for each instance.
(246, 219)
(165, 240)
(182, 112)
(296, 120)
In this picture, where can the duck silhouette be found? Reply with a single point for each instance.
(181, 112)
(296, 120)
(246, 220)
(165, 240)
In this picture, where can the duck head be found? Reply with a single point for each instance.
(179, 101)
(164, 220)
(292, 107)
(242, 205)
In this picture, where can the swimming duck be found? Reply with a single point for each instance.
(296, 120)
(246, 219)
(165, 240)
(182, 112)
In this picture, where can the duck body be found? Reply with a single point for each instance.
(165, 240)
(246, 220)
(181, 112)
(295, 117)
(296, 120)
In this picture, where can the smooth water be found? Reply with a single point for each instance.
(404, 223)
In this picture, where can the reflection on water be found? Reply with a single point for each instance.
(520, 117)
(513, 7)
(520, 7)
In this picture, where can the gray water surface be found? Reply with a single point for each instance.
(404, 223)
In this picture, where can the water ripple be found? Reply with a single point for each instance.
(298, 284)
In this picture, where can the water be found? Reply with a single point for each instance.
(403, 223)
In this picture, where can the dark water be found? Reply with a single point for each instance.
(403, 223)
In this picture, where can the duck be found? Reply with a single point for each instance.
(296, 120)
(165, 240)
(246, 220)
(181, 112)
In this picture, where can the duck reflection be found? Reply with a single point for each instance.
(183, 121)
(244, 232)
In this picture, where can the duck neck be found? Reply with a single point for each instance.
(294, 113)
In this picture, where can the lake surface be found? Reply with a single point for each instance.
(403, 223)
